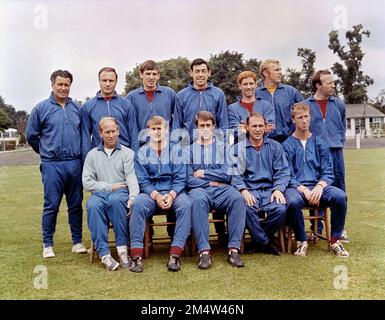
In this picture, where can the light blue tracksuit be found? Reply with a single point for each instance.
(162, 105)
(189, 101)
(161, 173)
(282, 100)
(54, 133)
(332, 130)
(307, 167)
(100, 172)
(261, 172)
(118, 107)
(204, 197)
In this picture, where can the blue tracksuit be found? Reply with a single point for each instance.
(54, 133)
(307, 167)
(161, 173)
(162, 105)
(282, 100)
(104, 205)
(118, 107)
(332, 130)
(261, 172)
(189, 101)
(204, 197)
(238, 114)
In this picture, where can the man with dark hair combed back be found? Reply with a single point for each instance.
(53, 131)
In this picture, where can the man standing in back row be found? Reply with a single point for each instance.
(200, 95)
(281, 96)
(107, 103)
(53, 131)
(328, 120)
(151, 99)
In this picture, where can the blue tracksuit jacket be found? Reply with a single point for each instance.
(53, 131)
(332, 129)
(212, 160)
(309, 165)
(189, 101)
(162, 105)
(164, 173)
(266, 168)
(282, 100)
(118, 107)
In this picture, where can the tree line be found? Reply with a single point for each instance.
(225, 66)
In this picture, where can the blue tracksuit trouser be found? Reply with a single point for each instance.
(144, 207)
(103, 208)
(62, 178)
(275, 212)
(338, 168)
(332, 197)
(217, 198)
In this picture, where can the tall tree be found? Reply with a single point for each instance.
(352, 83)
(301, 79)
(379, 101)
(5, 122)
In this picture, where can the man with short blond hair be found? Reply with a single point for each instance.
(161, 172)
(311, 180)
(281, 96)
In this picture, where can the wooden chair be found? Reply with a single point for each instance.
(149, 241)
(315, 218)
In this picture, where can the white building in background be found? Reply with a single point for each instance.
(9, 139)
(365, 120)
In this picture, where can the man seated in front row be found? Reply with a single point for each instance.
(108, 171)
(311, 169)
(210, 189)
(161, 174)
(261, 174)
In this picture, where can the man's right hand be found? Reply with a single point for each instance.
(249, 198)
(118, 185)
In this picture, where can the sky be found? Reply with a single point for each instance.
(38, 37)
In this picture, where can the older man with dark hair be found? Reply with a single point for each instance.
(53, 131)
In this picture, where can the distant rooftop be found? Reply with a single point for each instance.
(362, 110)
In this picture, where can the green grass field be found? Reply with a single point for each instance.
(317, 276)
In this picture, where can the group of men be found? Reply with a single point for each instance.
(270, 153)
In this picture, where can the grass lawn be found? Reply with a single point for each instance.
(71, 276)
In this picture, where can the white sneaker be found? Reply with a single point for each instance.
(48, 252)
(339, 250)
(79, 248)
(110, 263)
(344, 236)
(125, 261)
(301, 249)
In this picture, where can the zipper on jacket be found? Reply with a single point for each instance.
(108, 108)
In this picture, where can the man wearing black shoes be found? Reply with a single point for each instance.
(261, 174)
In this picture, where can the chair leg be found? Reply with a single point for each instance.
(328, 225)
(92, 252)
(289, 240)
(315, 226)
(282, 238)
